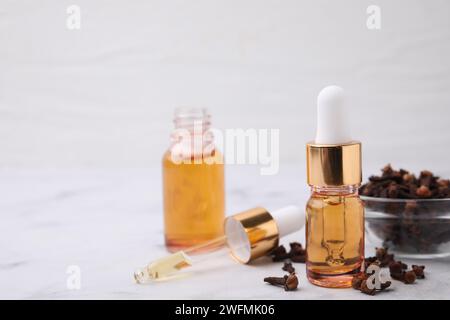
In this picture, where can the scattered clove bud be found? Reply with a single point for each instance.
(398, 276)
(299, 259)
(423, 192)
(398, 272)
(358, 279)
(289, 282)
(418, 270)
(383, 257)
(279, 254)
(276, 281)
(295, 254)
(397, 267)
(365, 289)
(409, 277)
(288, 267)
(296, 249)
(385, 285)
(368, 261)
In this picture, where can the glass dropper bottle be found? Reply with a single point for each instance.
(248, 235)
(334, 211)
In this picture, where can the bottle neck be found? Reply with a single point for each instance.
(335, 190)
(195, 120)
(192, 135)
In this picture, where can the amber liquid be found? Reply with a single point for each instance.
(334, 238)
(194, 201)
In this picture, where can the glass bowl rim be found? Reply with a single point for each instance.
(393, 200)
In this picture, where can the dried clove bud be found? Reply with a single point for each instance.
(359, 282)
(276, 281)
(387, 170)
(296, 253)
(397, 267)
(409, 178)
(443, 183)
(279, 254)
(423, 192)
(397, 271)
(358, 279)
(383, 257)
(385, 285)
(356, 283)
(380, 252)
(393, 190)
(368, 261)
(289, 282)
(418, 270)
(296, 248)
(365, 289)
(288, 267)
(299, 258)
(426, 178)
(409, 277)
(398, 276)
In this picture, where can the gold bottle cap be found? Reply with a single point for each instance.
(255, 233)
(334, 164)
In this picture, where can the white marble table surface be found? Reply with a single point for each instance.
(109, 222)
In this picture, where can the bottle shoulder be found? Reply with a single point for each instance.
(334, 198)
(175, 154)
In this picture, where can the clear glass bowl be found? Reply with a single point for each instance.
(411, 228)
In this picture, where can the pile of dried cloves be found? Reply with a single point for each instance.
(397, 269)
(402, 184)
(383, 259)
(359, 282)
(414, 229)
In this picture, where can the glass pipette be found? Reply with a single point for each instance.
(247, 236)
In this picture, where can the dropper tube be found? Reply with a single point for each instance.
(164, 267)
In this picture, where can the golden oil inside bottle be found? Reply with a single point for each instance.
(335, 236)
(194, 201)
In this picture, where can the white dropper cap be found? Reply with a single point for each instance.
(331, 126)
(289, 219)
(240, 230)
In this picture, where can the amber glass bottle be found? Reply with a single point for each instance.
(334, 212)
(335, 235)
(193, 182)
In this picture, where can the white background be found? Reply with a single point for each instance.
(85, 117)
(103, 96)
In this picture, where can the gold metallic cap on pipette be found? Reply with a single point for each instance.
(255, 233)
(334, 164)
(257, 229)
